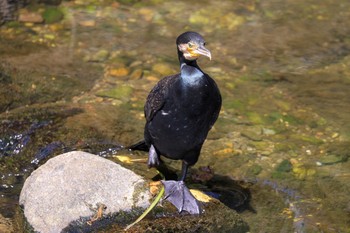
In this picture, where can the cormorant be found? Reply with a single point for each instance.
(180, 110)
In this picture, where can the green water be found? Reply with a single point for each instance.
(282, 68)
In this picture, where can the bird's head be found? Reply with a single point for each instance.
(191, 46)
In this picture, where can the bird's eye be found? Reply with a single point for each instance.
(190, 45)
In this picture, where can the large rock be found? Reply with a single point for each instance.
(61, 190)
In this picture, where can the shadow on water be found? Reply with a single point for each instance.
(234, 194)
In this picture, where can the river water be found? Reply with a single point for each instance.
(282, 68)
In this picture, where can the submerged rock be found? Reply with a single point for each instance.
(121, 92)
(66, 188)
(332, 159)
(253, 135)
(52, 15)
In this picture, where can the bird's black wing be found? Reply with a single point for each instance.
(158, 95)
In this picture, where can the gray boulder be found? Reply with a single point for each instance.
(66, 186)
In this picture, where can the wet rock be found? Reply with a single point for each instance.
(217, 218)
(5, 225)
(65, 187)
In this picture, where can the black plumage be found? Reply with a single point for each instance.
(180, 110)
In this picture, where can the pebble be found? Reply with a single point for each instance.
(99, 56)
(162, 68)
(87, 23)
(152, 78)
(49, 36)
(30, 17)
(118, 72)
(146, 13)
(117, 102)
(335, 135)
(266, 131)
(223, 152)
(135, 63)
(302, 172)
(212, 69)
(252, 135)
(136, 74)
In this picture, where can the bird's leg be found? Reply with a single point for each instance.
(178, 194)
(153, 157)
(184, 171)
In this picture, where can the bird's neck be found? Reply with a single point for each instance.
(191, 74)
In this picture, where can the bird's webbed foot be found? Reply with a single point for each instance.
(180, 196)
(153, 157)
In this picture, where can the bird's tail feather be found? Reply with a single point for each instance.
(140, 145)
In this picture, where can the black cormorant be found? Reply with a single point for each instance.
(180, 110)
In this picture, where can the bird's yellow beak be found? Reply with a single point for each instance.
(201, 50)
